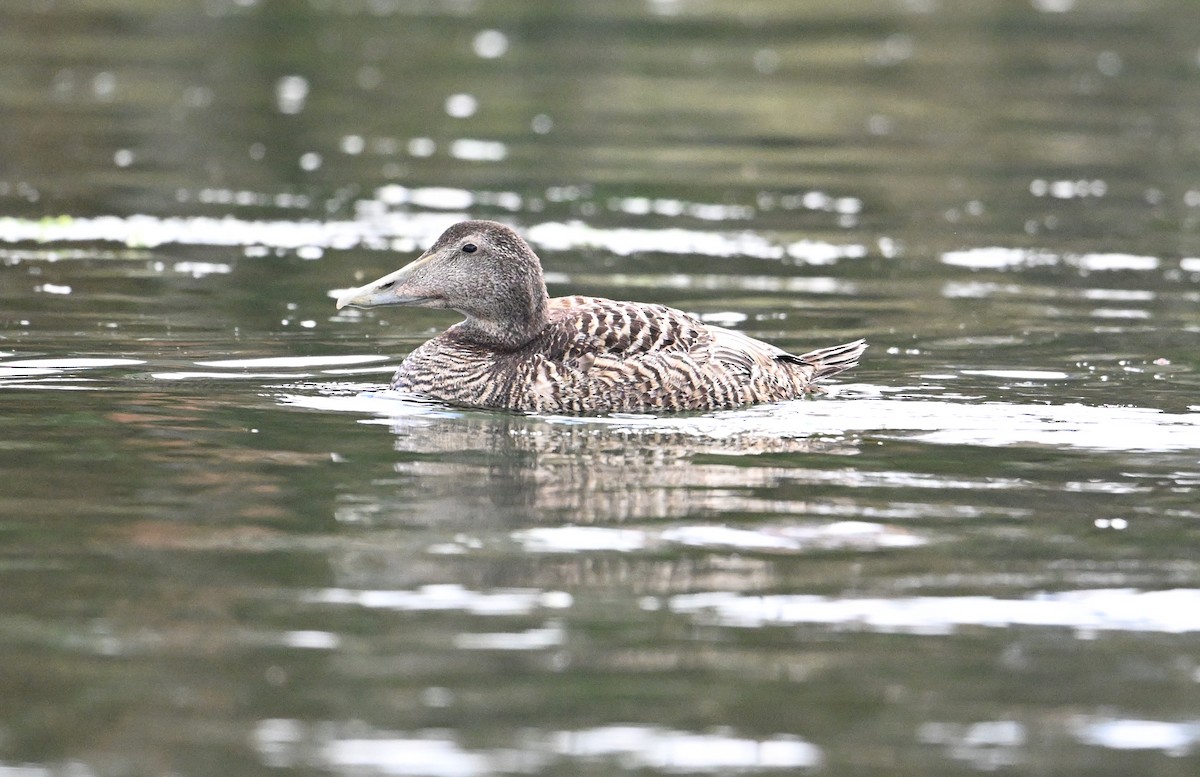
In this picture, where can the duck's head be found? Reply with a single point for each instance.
(483, 270)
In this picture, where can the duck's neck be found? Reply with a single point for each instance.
(515, 328)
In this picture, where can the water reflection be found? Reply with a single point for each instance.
(497, 465)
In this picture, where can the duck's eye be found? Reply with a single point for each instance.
(470, 248)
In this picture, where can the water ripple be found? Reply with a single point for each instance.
(1174, 612)
(377, 227)
(290, 743)
(858, 535)
(942, 422)
(1002, 258)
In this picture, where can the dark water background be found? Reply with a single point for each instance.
(224, 550)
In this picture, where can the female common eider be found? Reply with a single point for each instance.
(520, 350)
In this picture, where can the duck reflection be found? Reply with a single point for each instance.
(489, 499)
(522, 470)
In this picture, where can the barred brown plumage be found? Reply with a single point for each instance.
(520, 350)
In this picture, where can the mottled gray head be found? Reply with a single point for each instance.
(483, 270)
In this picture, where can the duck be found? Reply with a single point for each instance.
(519, 349)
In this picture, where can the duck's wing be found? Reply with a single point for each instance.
(589, 328)
(592, 327)
(631, 356)
(742, 352)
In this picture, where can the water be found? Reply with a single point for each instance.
(225, 549)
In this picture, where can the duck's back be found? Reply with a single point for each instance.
(598, 355)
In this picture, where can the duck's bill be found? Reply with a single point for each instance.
(389, 290)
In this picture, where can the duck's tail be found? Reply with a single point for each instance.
(831, 360)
